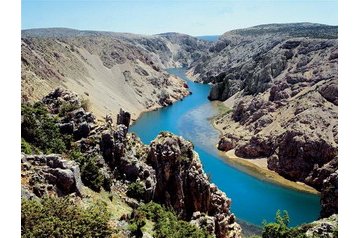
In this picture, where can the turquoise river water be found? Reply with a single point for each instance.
(253, 199)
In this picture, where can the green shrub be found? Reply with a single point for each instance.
(136, 190)
(90, 172)
(91, 175)
(60, 217)
(40, 130)
(67, 107)
(25, 147)
(76, 155)
(280, 229)
(167, 224)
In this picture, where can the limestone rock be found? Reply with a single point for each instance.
(227, 142)
(329, 198)
(124, 118)
(82, 131)
(327, 227)
(183, 186)
(52, 170)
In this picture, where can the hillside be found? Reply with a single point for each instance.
(280, 84)
(111, 70)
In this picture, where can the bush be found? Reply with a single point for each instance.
(136, 190)
(76, 155)
(67, 107)
(25, 147)
(280, 229)
(60, 217)
(90, 172)
(40, 130)
(166, 222)
(91, 175)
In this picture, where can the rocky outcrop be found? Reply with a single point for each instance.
(183, 185)
(123, 118)
(227, 142)
(327, 227)
(74, 119)
(329, 199)
(43, 175)
(298, 155)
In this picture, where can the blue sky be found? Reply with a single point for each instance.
(194, 17)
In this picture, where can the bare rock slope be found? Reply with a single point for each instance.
(280, 83)
(111, 70)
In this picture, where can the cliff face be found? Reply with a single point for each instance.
(183, 185)
(112, 70)
(280, 83)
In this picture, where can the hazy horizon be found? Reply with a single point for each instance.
(59, 27)
(196, 18)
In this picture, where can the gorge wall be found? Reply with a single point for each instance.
(111, 70)
(280, 83)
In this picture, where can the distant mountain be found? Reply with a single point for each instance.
(210, 38)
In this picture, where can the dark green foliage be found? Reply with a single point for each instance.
(280, 229)
(91, 175)
(76, 155)
(107, 182)
(40, 130)
(28, 148)
(67, 107)
(60, 217)
(90, 172)
(166, 222)
(136, 190)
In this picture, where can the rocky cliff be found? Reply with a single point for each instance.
(112, 70)
(105, 155)
(183, 185)
(280, 83)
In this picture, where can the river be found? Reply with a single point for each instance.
(253, 199)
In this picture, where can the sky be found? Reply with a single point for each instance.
(193, 17)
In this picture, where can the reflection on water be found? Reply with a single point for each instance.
(200, 131)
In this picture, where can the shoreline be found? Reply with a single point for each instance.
(258, 167)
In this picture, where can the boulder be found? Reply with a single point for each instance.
(227, 142)
(82, 131)
(67, 128)
(255, 148)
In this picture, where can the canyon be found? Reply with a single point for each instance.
(278, 82)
